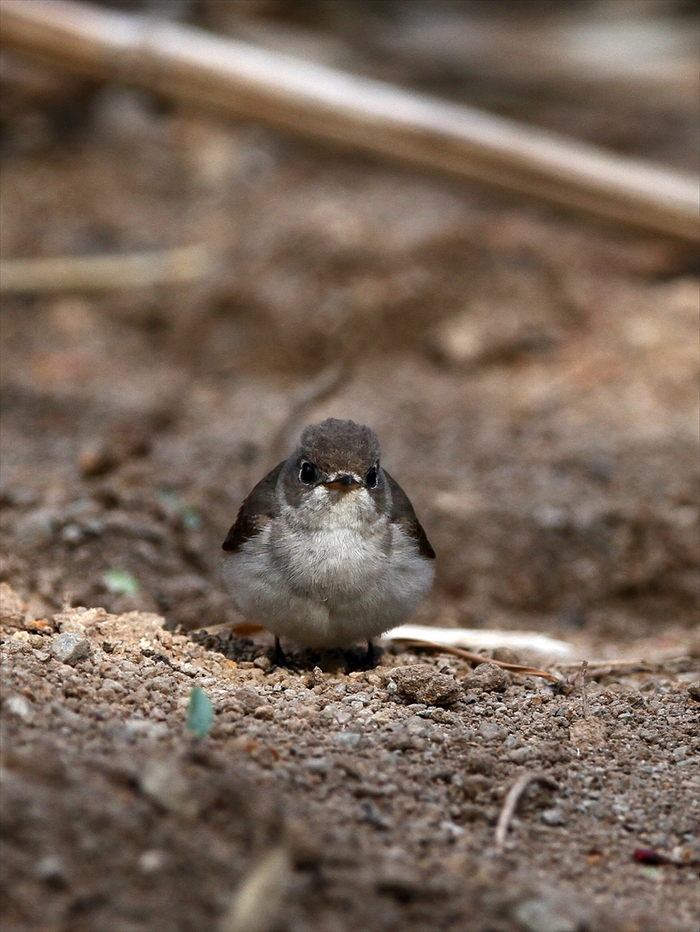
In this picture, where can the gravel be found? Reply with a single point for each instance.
(379, 793)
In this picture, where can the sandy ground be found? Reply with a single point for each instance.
(377, 791)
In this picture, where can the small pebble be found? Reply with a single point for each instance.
(545, 913)
(348, 739)
(553, 817)
(70, 647)
(20, 707)
(248, 698)
(318, 765)
(36, 529)
(489, 731)
(151, 861)
(50, 868)
(163, 781)
(420, 683)
(72, 534)
(488, 677)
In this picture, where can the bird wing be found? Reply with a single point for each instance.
(257, 510)
(402, 513)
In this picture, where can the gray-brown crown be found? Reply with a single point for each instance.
(338, 446)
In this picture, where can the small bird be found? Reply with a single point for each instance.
(327, 549)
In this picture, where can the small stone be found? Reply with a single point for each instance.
(399, 879)
(263, 663)
(489, 731)
(318, 765)
(152, 861)
(163, 781)
(478, 761)
(19, 497)
(349, 740)
(137, 727)
(36, 529)
(587, 734)
(545, 913)
(20, 707)
(472, 784)
(403, 740)
(420, 683)
(50, 869)
(553, 817)
(12, 607)
(72, 534)
(488, 677)
(70, 647)
(506, 655)
(248, 698)
(694, 691)
(443, 717)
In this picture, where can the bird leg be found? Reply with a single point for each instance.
(371, 657)
(278, 657)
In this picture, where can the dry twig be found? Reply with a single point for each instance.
(181, 265)
(584, 694)
(320, 388)
(597, 669)
(256, 904)
(479, 658)
(204, 70)
(512, 799)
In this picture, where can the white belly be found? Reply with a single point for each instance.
(328, 586)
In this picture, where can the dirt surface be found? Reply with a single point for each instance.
(533, 382)
(383, 805)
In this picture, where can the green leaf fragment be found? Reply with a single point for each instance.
(191, 518)
(175, 506)
(121, 583)
(200, 713)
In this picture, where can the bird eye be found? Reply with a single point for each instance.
(371, 477)
(307, 473)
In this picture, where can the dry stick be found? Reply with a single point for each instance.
(599, 668)
(256, 904)
(177, 266)
(584, 695)
(320, 388)
(231, 77)
(512, 799)
(479, 658)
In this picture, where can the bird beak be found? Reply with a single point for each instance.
(343, 483)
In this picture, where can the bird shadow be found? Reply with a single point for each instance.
(243, 650)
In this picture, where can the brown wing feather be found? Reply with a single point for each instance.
(256, 511)
(402, 512)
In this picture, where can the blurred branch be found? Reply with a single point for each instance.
(204, 70)
(318, 389)
(176, 266)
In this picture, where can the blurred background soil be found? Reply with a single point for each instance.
(533, 379)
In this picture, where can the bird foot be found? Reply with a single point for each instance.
(278, 657)
(371, 657)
